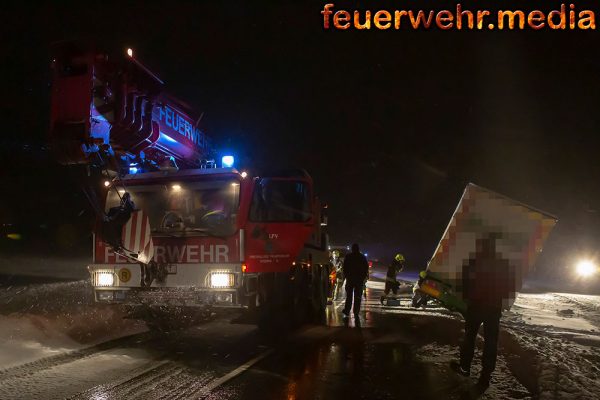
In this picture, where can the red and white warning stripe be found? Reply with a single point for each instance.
(136, 234)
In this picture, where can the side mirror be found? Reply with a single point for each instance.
(324, 217)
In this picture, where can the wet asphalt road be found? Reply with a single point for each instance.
(373, 357)
(380, 355)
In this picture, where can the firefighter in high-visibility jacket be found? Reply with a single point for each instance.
(339, 273)
(391, 283)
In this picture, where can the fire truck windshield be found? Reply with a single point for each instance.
(194, 208)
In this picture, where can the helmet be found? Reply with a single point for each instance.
(423, 274)
(399, 257)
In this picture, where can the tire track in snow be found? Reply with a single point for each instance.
(145, 382)
(590, 309)
(166, 380)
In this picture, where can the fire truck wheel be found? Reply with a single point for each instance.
(301, 298)
(264, 300)
(251, 302)
(274, 301)
(320, 292)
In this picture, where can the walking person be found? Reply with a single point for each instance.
(391, 280)
(488, 284)
(356, 270)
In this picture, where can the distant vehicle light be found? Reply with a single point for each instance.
(176, 188)
(227, 161)
(586, 268)
(222, 280)
(105, 279)
(244, 174)
(107, 183)
(130, 52)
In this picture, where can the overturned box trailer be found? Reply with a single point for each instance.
(515, 233)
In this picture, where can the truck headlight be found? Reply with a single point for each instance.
(222, 279)
(104, 278)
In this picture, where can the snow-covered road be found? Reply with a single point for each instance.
(558, 335)
(57, 344)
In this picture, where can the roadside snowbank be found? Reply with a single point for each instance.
(558, 335)
(38, 321)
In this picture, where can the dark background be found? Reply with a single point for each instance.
(391, 124)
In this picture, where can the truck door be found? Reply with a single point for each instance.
(280, 221)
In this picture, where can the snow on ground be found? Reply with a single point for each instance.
(506, 387)
(63, 381)
(38, 321)
(571, 312)
(28, 338)
(34, 265)
(558, 334)
(549, 347)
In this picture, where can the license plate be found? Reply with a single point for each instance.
(171, 269)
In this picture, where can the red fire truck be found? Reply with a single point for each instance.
(175, 230)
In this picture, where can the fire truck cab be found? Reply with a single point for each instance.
(174, 229)
(214, 232)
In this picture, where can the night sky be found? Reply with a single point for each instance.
(390, 124)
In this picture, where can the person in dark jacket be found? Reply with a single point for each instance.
(391, 281)
(488, 284)
(356, 270)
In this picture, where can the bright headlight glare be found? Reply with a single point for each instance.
(105, 279)
(221, 280)
(586, 268)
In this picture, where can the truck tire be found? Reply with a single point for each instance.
(320, 291)
(264, 299)
(275, 303)
(301, 304)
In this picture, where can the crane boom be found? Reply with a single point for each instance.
(104, 105)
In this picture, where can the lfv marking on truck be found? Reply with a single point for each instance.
(190, 253)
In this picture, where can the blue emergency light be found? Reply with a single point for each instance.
(133, 168)
(227, 161)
